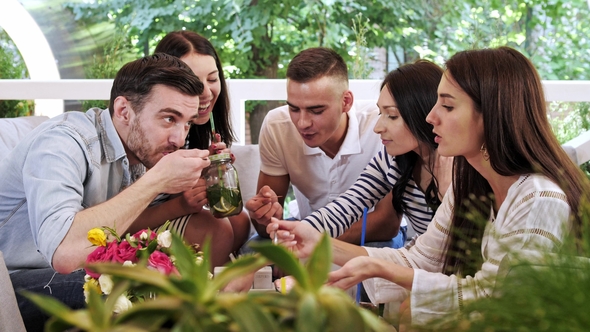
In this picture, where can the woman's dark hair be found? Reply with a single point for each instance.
(136, 79)
(414, 86)
(181, 43)
(507, 91)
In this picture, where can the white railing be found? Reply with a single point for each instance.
(49, 96)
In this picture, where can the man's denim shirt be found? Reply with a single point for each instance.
(68, 163)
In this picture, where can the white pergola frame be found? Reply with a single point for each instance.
(34, 48)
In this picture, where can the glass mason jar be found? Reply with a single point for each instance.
(223, 187)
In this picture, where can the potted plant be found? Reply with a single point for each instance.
(192, 301)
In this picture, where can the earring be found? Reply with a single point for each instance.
(484, 152)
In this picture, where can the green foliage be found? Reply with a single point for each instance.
(258, 38)
(192, 301)
(569, 120)
(12, 66)
(360, 66)
(115, 54)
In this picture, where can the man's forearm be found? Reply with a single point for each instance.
(119, 213)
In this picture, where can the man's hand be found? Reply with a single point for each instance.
(179, 171)
(264, 206)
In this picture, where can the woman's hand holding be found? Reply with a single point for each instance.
(218, 147)
(194, 199)
(298, 236)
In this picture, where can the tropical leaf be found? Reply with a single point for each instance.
(240, 267)
(310, 315)
(319, 263)
(285, 260)
(252, 318)
(140, 274)
(60, 311)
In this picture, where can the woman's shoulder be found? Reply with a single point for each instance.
(537, 182)
(537, 186)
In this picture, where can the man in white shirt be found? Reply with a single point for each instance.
(319, 142)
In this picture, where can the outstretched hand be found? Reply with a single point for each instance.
(298, 236)
(354, 271)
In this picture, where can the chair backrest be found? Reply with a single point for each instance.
(10, 318)
(12, 131)
(248, 166)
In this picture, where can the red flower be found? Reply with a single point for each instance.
(161, 262)
(125, 252)
(101, 254)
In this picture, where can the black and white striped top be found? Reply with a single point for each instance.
(372, 185)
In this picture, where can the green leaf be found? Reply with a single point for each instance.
(140, 274)
(240, 267)
(320, 262)
(342, 313)
(197, 273)
(60, 311)
(285, 260)
(96, 308)
(252, 318)
(185, 257)
(310, 315)
(151, 312)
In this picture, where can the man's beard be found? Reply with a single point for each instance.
(139, 145)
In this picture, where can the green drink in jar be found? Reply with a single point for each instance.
(223, 187)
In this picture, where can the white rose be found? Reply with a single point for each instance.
(143, 236)
(106, 284)
(165, 239)
(123, 304)
(128, 263)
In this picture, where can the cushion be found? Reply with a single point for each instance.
(248, 166)
(12, 131)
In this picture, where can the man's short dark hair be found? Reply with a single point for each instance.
(316, 62)
(136, 79)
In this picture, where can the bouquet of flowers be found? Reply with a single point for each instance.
(146, 246)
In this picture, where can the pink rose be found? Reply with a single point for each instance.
(111, 253)
(125, 252)
(161, 262)
(101, 254)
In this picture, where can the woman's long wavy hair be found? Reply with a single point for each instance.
(181, 43)
(413, 87)
(507, 91)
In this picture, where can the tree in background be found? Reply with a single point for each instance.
(257, 38)
(12, 66)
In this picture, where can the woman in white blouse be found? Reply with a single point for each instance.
(508, 168)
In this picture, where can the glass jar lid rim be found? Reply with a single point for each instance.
(219, 156)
